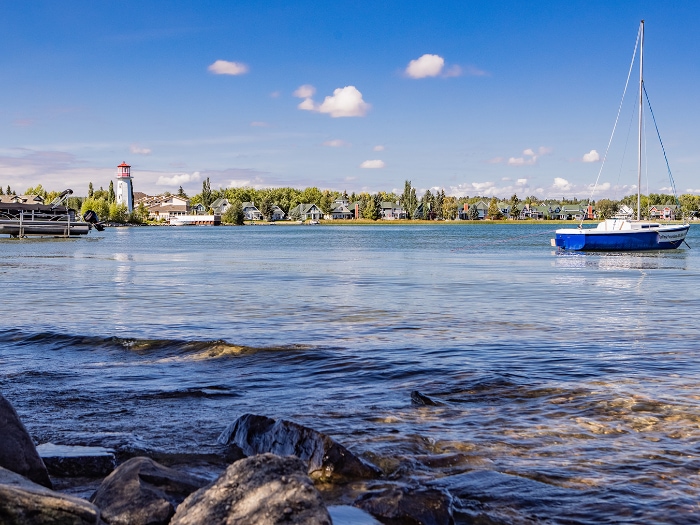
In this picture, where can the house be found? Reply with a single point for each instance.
(624, 212)
(306, 211)
(482, 209)
(392, 211)
(340, 209)
(166, 212)
(250, 212)
(569, 212)
(220, 205)
(665, 212)
(277, 213)
(198, 209)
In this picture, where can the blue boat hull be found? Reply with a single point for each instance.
(592, 240)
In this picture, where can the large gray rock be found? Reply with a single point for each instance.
(260, 490)
(327, 460)
(143, 492)
(74, 461)
(409, 506)
(17, 450)
(23, 502)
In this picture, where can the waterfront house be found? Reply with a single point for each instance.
(250, 212)
(392, 211)
(665, 212)
(306, 211)
(570, 212)
(220, 205)
(277, 213)
(340, 210)
(624, 212)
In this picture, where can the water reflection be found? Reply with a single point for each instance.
(670, 260)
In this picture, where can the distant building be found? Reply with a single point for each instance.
(125, 190)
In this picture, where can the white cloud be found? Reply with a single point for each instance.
(307, 104)
(522, 161)
(591, 156)
(138, 150)
(345, 102)
(378, 147)
(178, 179)
(372, 164)
(305, 91)
(335, 143)
(529, 157)
(425, 66)
(482, 186)
(561, 184)
(521, 182)
(224, 67)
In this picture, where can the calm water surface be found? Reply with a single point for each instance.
(569, 385)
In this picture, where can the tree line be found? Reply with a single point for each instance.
(432, 205)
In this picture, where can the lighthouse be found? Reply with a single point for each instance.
(125, 191)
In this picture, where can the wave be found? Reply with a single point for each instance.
(163, 348)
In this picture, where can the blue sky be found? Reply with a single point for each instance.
(482, 98)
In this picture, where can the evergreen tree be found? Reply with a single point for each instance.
(473, 213)
(1, 192)
(494, 212)
(181, 193)
(9, 191)
(111, 196)
(428, 204)
(513, 205)
(91, 191)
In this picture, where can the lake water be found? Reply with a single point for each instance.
(569, 384)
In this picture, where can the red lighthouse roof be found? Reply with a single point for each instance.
(123, 165)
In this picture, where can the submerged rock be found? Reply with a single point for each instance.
(25, 502)
(327, 460)
(143, 492)
(421, 399)
(409, 506)
(74, 461)
(17, 450)
(260, 490)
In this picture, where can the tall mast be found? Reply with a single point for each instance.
(641, 94)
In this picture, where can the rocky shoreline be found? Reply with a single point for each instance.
(270, 472)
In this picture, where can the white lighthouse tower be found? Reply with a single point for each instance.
(125, 191)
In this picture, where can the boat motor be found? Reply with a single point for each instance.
(91, 218)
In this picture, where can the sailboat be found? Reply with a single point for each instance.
(623, 234)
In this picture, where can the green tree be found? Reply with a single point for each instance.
(408, 199)
(606, 208)
(234, 214)
(9, 191)
(118, 212)
(494, 212)
(513, 207)
(141, 213)
(99, 206)
(450, 208)
(439, 201)
(265, 208)
(372, 208)
(1, 192)
(427, 201)
(206, 192)
(91, 191)
(111, 196)
(473, 213)
(181, 193)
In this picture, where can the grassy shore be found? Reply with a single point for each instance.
(403, 222)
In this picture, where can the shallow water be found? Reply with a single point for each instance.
(567, 383)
